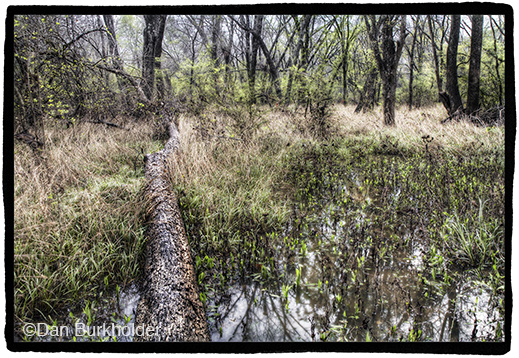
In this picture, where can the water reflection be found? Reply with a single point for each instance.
(358, 282)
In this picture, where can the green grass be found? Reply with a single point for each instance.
(474, 242)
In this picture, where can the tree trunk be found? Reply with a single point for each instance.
(411, 64)
(475, 63)
(113, 49)
(104, 56)
(496, 59)
(192, 65)
(452, 63)
(387, 58)
(157, 54)
(33, 97)
(439, 82)
(215, 35)
(273, 69)
(152, 44)
(227, 51)
(367, 97)
(296, 58)
(258, 24)
(170, 308)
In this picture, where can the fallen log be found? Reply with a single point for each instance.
(170, 308)
(490, 117)
(108, 124)
(29, 139)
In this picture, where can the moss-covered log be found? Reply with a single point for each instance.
(170, 308)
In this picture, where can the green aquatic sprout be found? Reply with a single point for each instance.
(368, 338)
(286, 288)
(201, 277)
(298, 276)
(203, 298)
(303, 249)
(88, 311)
(117, 291)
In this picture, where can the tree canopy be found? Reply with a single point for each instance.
(68, 66)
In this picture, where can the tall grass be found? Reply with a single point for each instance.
(79, 216)
(227, 185)
(477, 241)
(412, 125)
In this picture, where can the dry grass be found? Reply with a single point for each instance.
(225, 182)
(412, 125)
(78, 219)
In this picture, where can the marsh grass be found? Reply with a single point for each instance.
(79, 216)
(229, 190)
(248, 195)
(476, 242)
(246, 204)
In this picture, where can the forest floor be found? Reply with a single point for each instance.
(363, 232)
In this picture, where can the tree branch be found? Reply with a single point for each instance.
(81, 36)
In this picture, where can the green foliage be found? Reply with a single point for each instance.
(476, 242)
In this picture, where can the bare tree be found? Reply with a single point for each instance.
(435, 51)
(387, 53)
(152, 50)
(258, 24)
(273, 68)
(494, 54)
(367, 96)
(295, 57)
(412, 65)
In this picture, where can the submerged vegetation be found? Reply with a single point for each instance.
(292, 212)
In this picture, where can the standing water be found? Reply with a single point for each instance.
(356, 265)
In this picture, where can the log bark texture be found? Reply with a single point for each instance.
(170, 308)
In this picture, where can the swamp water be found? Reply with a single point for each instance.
(105, 319)
(352, 266)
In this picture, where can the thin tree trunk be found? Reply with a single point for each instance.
(439, 82)
(297, 63)
(192, 67)
(475, 64)
(215, 34)
(498, 75)
(273, 69)
(452, 63)
(412, 65)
